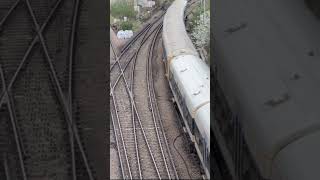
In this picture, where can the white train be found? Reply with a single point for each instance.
(189, 79)
(266, 89)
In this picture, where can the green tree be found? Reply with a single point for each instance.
(121, 8)
(126, 25)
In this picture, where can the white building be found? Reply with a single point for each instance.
(126, 34)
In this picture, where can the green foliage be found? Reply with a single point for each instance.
(201, 30)
(197, 11)
(122, 8)
(136, 25)
(126, 25)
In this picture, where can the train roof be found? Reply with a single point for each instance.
(175, 37)
(305, 151)
(268, 64)
(192, 76)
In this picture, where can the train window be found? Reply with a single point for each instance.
(190, 121)
(197, 134)
(176, 90)
(164, 54)
(208, 160)
(204, 154)
(201, 145)
(180, 99)
(231, 130)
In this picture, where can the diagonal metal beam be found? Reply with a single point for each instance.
(26, 55)
(59, 89)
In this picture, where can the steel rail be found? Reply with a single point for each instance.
(118, 148)
(136, 112)
(53, 74)
(121, 135)
(165, 138)
(133, 115)
(126, 65)
(144, 39)
(13, 124)
(132, 108)
(130, 43)
(4, 19)
(133, 122)
(6, 167)
(71, 57)
(115, 132)
(148, 74)
(134, 39)
(142, 129)
(158, 111)
(129, 90)
(113, 50)
(9, 98)
(58, 88)
(27, 53)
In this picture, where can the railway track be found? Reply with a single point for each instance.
(122, 157)
(162, 140)
(142, 146)
(36, 99)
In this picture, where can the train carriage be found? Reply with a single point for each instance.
(266, 89)
(189, 79)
